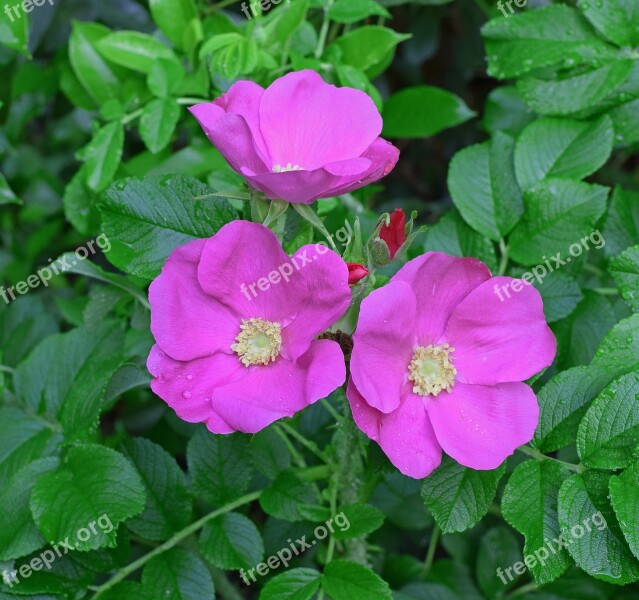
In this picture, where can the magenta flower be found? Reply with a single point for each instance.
(235, 322)
(300, 139)
(438, 363)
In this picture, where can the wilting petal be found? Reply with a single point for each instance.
(405, 435)
(480, 426)
(499, 341)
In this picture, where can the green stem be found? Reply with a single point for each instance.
(536, 454)
(132, 116)
(321, 42)
(329, 407)
(503, 265)
(6, 369)
(524, 589)
(607, 291)
(432, 546)
(593, 269)
(188, 100)
(124, 572)
(311, 446)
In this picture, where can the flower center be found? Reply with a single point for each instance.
(431, 370)
(288, 167)
(259, 342)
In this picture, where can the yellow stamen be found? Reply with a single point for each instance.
(431, 370)
(259, 342)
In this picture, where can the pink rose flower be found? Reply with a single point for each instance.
(438, 363)
(300, 139)
(235, 322)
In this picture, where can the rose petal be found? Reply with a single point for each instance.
(325, 277)
(405, 435)
(310, 123)
(383, 345)
(280, 389)
(480, 426)
(499, 341)
(440, 282)
(187, 387)
(235, 260)
(185, 321)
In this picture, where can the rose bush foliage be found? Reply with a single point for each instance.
(374, 258)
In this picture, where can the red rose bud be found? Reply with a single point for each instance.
(356, 272)
(394, 234)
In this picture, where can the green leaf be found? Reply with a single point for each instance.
(562, 148)
(97, 76)
(291, 16)
(168, 506)
(6, 193)
(231, 541)
(177, 575)
(174, 18)
(561, 295)
(296, 584)
(559, 213)
(422, 111)
(549, 36)
(14, 30)
(351, 11)
(165, 77)
(102, 487)
(19, 535)
(608, 435)
(529, 504)
(579, 336)
(564, 399)
(621, 229)
(574, 94)
(498, 547)
(133, 50)
(482, 183)
(369, 48)
(67, 375)
(360, 519)
(601, 550)
(624, 497)
(625, 119)
(269, 454)
(618, 20)
(218, 466)
(284, 496)
(146, 219)
(102, 155)
(158, 122)
(453, 236)
(231, 54)
(22, 439)
(79, 204)
(458, 497)
(506, 111)
(625, 271)
(346, 580)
